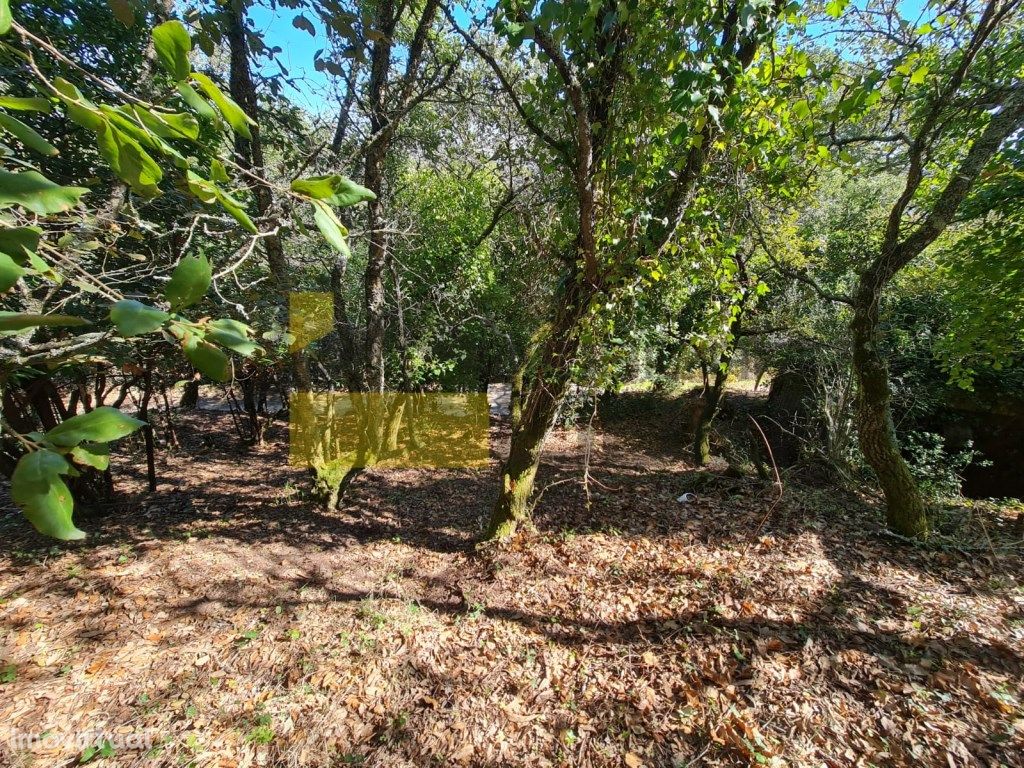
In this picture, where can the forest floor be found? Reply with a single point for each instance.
(226, 621)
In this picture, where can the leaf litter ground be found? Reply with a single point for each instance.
(229, 622)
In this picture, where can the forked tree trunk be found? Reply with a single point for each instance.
(708, 411)
(713, 394)
(537, 414)
(905, 509)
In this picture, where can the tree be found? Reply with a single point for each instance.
(46, 264)
(954, 101)
(601, 76)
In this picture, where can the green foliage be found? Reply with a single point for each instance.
(207, 358)
(95, 455)
(233, 335)
(19, 242)
(32, 191)
(334, 231)
(105, 749)
(229, 110)
(133, 318)
(189, 282)
(26, 135)
(142, 143)
(10, 272)
(19, 321)
(173, 44)
(336, 190)
(25, 103)
(44, 498)
(938, 472)
(36, 484)
(101, 425)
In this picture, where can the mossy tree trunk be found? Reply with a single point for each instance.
(905, 509)
(534, 413)
(715, 391)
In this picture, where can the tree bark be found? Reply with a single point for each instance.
(905, 509)
(373, 180)
(147, 430)
(533, 420)
(243, 91)
(190, 395)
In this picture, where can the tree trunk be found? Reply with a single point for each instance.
(373, 180)
(519, 472)
(147, 429)
(532, 422)
(190, 395)
(905, 510)
(713, 394)
(243, 91)
(709, 410)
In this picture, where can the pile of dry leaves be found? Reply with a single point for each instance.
(226, 621)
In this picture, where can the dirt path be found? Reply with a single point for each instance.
(226, 622)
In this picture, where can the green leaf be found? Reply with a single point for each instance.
(45, 500)
(19, 242)
(26, 135)
(79, 108)
(204, 190)
(919, 75)
(129, 122)
(237, 119)
(169, 125)
(25, 103)
(9, 272)
(233, 335)
(232, 206)
(95, 455)
(189, 282)
(208, 359)
(197, 103)
(172, 45)
(5, 17)
(336, 190)
(17, 321)
(218, 172)
(104, 749)
(129, 160)
(43, 268)
(835, 8)
(133, 318)
(332, 229)
(100, 425)
(36, 193)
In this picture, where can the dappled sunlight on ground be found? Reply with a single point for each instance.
(238, 625)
